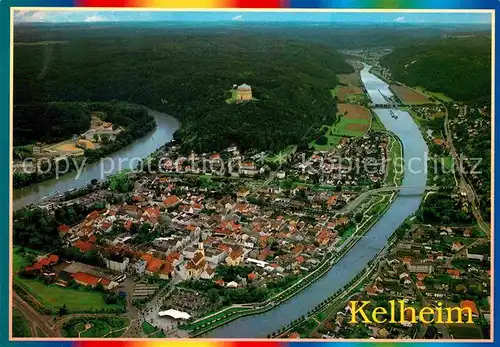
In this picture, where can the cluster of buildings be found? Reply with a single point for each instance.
(432, 265)
(174, 229)
(360, 161)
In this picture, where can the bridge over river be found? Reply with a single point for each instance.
(356, 259)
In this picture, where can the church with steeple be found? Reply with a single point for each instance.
(198, 266)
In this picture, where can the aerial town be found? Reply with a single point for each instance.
(377, 192)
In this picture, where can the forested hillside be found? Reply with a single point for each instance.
(48, 122)
(188, 76)
(459, 67)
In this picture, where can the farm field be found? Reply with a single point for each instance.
(353, 121)
(55, 297)
(410, 97)
(343, 93)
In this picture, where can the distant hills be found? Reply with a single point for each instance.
(458, 66)
(188, 75)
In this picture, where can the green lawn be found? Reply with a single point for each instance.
(147, 328)
(19, 259)
(356, 98)
(395, 166)
(18, 262)
(214, 319)
(340, 128)
(376, 123)
(439, 96)
(337, 131)
(379, 206)
(233, 96)
(55, 297)
(447, 162)
(282, 155)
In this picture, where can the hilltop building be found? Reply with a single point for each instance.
(244, 92)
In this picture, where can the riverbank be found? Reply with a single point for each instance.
(123, 158)
(228, 314)
(129, 122)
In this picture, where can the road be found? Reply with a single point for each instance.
(34, 317)
(355, 203)
(464, 184)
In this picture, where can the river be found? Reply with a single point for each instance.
(365, 249)
(165, 127)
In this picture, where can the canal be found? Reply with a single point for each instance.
(124, 158)
(357, 258)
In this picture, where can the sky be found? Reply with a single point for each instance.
(333, 17)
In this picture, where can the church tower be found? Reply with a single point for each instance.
(200, 246)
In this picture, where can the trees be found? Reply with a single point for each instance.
(195, 88)
(36, 229)
(120, 182)
(458, 67)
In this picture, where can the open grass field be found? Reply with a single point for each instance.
(354, 121)
(20, 259)
(333, 141)
(439, 96)
(410, 97)
(147, 328)
(343, 92)
(55, 297)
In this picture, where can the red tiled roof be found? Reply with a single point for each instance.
(171, 201)
(154, 265)
(84, 246)
(93, 215)
(63, 228)
(86, 278)
(469, 304)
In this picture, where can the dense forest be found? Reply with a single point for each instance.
(459, 67)
(48, 122)
(188, 75)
